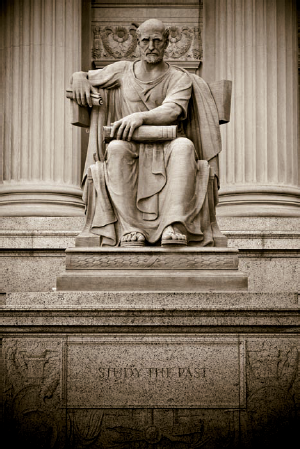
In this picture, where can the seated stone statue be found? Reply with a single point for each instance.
(151, 192)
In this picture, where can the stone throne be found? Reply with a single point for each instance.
(94, 266)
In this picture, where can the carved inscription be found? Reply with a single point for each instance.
(144, 261)
(152, 373)
(124, 373)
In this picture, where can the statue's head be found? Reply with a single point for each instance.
(153, 39)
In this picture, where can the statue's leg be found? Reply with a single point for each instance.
(181, 169)
(122, 180)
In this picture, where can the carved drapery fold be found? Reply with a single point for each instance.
(41, 48)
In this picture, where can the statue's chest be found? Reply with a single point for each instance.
(153, 96)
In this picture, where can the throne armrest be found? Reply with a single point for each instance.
(80, 115)
(221, 91)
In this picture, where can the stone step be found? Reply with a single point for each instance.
(152, 258)
(152, 280)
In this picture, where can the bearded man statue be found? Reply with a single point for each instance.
(161, 192)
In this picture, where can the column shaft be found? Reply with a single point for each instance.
(41, 150)
(254, 43)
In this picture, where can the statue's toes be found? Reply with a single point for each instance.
(133, 239)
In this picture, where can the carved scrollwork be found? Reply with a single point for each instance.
(132, 437)
(180, 41)
(276, 366)
(96, 51)
(24, 369)
(87, 428)
(271, 401)
(31, 381)
(94, 261)
(197, 47)
(119, 42)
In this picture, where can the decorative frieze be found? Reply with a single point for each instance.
(112, 43)
(96, 261)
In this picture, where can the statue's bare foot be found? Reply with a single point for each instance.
(133, 238)
(172, 236)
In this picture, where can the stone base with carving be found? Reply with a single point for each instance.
(152, 269)
(151, 370)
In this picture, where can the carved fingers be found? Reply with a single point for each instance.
(82, 89)
(123, 129)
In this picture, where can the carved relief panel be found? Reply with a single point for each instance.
(32, 392)
(131, 392)
(273, 392)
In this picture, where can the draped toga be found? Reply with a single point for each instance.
(146, 187)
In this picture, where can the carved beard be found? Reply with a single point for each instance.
(153, 59)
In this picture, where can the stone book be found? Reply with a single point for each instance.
(96, 98)
(80, 116)
(146, 133)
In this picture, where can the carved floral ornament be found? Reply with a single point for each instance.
(121, 42)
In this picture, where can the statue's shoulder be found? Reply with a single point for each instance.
(178, 75)
(178, 72)
(119, 66)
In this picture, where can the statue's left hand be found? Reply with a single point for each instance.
(126, 126)
(82, 89)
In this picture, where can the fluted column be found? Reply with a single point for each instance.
(254, 43)
(41, 42)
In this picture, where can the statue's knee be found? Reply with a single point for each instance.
(118, 148)
(182, 146)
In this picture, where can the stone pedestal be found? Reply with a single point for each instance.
(152, 269)
(254, 44)
(155, 370)
(40, 170)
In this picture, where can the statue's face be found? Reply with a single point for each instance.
(152, 45)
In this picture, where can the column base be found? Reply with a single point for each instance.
(259, 201)
(48, 200)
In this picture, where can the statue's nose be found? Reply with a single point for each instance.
(151, 46)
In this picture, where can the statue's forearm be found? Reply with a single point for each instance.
(78, 75)
(165, 114)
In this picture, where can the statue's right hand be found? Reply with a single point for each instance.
(82, 89)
